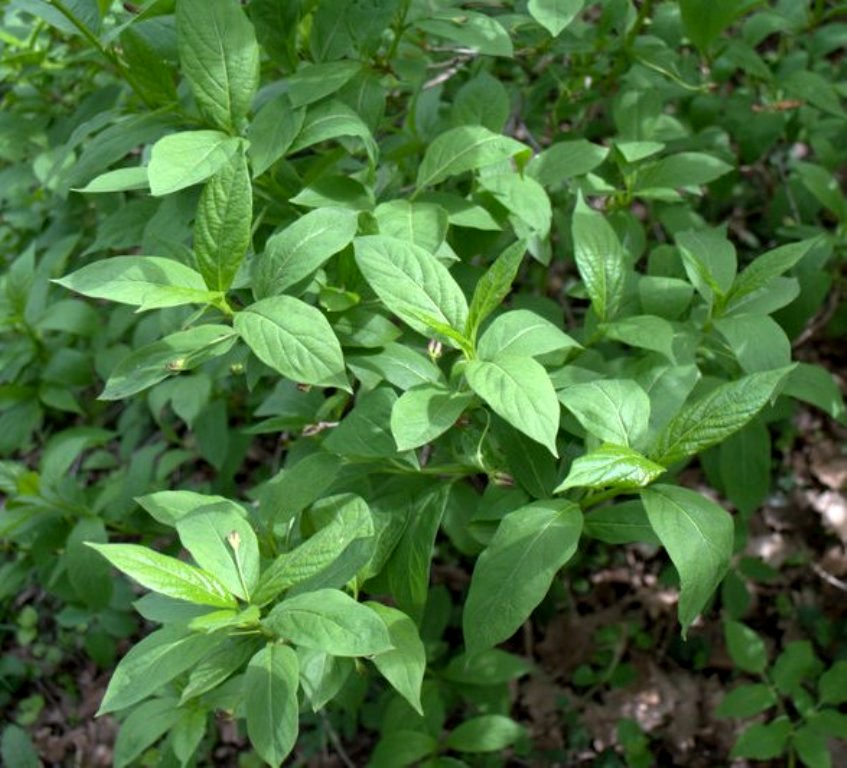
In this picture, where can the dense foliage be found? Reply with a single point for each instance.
(353, 331)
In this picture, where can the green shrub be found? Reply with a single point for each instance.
(387, 283)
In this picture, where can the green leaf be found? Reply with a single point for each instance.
(331, 621)
(219, 56)
(522, 332)
(322, 676)
(767, 267)
(313, 82)
(424, 224)
(294, 339)
(624, 523)
(120, 180)
(794, 665)
(151, 663)
(757, 341)
(408, 567)
(686, 169)
(514, 572)
(487, 733)
(746, 647)
(228, 657)
(222, 542)
(518, 390)
(811, 747)
(180, 351)
(494, 286)
(525, 199)
(643, 332)
(187, 733)
(333, 120)
(763, 741)
(709, 260)
(88, 573)
(223, 223)
(555, 15)
(698, 536)
(405, 664)
(704, 20)
(272, 132)
(600, 260)
(745, 466)
(816, 385)
(832, 686)
(302, 248)
(611, 466)
(366, 431)
(270, 702)
(182, 160)
(470, 29)
(397, 364)
(462, 149)
(411, 282)
(17, 750)
(146, 724)
(399, 748)
(425, 412)
(167, 507)
(715, 416)
(147, 282)
(617, 411)
(746, 701)
(297, 486)
(565, 159)
(351, 522)
(167, 575)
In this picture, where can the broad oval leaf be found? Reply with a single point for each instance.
(184, 159)
(331, 621)
(294, 339)
(411, 282)
(219, 56)
(698, 536)
(167, 575)
(615, 410)
(465, 148)
(302, 248)
(270, 702)
(519, 390)
(425, 412)
(148, 282)
(611, 466)
(514, 572)
(222, 542)
(522, 332)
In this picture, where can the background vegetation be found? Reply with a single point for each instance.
(453, 381)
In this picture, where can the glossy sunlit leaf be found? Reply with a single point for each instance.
(555, 15)
(611, 466)
(331, 621)
(518, 390)
(184, 159)
(167, 575)
(294, 339)
(302, 248)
